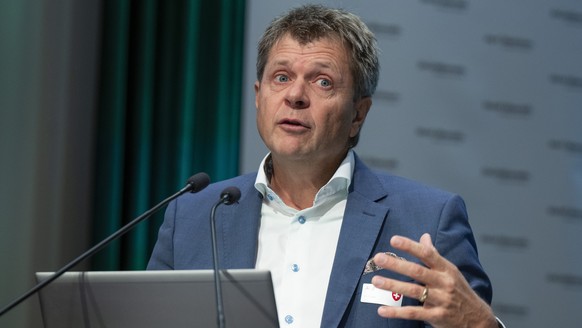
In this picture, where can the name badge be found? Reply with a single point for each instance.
(371, 294)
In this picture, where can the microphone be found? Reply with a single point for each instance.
(194, 184)
(229, 195)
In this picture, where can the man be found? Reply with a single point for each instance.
(315, 215)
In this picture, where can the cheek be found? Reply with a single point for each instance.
(336, 125)
(347, 119)
(261, 119)
(261, 105)
(262, 127)
(264, 117)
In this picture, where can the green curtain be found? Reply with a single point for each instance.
(169, 107)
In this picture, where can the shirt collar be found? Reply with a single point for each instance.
(340, 181)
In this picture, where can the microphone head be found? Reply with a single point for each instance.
(198, 182)
(230, 195)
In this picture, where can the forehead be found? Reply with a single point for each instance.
(324, 47)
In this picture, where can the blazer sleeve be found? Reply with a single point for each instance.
(162, 257)
(455, 241)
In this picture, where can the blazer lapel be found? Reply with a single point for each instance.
(363, 219)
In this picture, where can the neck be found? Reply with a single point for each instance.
(297, 182)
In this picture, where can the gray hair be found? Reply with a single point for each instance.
(309, 23)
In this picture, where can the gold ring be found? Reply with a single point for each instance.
(424, 295)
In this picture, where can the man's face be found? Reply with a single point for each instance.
(305, 106)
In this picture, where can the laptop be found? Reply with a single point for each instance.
(148, 299)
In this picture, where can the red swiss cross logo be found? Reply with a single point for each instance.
(396, 296)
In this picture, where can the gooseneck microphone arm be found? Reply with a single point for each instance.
(228, 196)
(194, 184)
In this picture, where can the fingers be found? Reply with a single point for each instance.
(423, 250)
(406, 289)
(434, 295)
(434, 274)
(407, 268)
(426, 240)
(405, 312)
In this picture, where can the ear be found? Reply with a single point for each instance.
(362, 107)
(257, 89)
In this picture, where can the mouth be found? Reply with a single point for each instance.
(293, 126)
(293, 123)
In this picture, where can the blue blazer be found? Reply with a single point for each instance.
(379, 206)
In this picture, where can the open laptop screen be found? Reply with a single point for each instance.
(149, 299)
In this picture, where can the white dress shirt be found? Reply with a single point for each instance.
(298, 246)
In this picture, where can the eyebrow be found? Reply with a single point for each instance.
(316, 63)
(281, 62)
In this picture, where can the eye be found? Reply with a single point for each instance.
(281, 78)
(325, 83)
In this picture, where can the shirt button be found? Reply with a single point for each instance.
(295, 268)
(270, 197)
(289, 319)
(301, 219)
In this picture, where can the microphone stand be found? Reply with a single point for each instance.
(217, 282)
(228, 196)
(194, 184)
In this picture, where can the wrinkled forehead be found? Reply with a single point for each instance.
(322, 53)
(331, 40)
(309, 37)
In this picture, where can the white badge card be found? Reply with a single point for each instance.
(371, 294)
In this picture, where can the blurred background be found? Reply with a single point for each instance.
(107, 107)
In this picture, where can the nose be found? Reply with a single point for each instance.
(296, 96)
